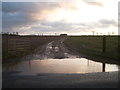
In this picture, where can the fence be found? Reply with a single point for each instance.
(23, 44)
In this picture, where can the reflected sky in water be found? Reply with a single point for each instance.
(67, 65)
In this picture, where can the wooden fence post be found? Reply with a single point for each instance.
(103, 67)
(118, 44)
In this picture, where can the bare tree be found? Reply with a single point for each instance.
(93, 32)
(55, 33)
(97, 33)
(16, 33)
(13, 33)
(101, 33)
(113, 33)
(8, 33)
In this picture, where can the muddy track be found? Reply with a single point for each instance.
(53, 50)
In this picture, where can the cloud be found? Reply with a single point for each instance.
(94, 3)
(19, 14)
(61, 26)
(107, 23)
(26, 17)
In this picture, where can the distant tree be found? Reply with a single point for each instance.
(55, 33)
(101, 33)
(97, 33)
(108, 33)
(16, 33)
(38, 34)
(8, 33)
(113, 33)
(13, 33)
(93, 32)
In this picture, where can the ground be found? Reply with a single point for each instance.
(89, 80)
(56, 49)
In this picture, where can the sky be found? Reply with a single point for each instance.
(75, 17)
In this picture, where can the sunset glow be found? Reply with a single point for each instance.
(77, 17)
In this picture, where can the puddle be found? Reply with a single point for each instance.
(66, 65)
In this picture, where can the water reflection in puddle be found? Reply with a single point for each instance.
(77, 65)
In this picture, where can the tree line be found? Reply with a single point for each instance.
(10, 33)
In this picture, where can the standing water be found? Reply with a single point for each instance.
(66, 65)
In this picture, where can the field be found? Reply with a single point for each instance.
(93, 46)
(19, 46)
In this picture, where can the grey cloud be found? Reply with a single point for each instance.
(11, 7)
(16, 14)
(61, 26)
(108, 22)
(53, 27)
(101, 24)
(22, 13)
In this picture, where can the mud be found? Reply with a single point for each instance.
(53, 50)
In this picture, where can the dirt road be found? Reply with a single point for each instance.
(54, 50)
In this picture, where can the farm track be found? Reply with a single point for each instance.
(52, 50)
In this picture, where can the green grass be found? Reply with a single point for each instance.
(93, 45)
(12, 55)
(8, 57)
